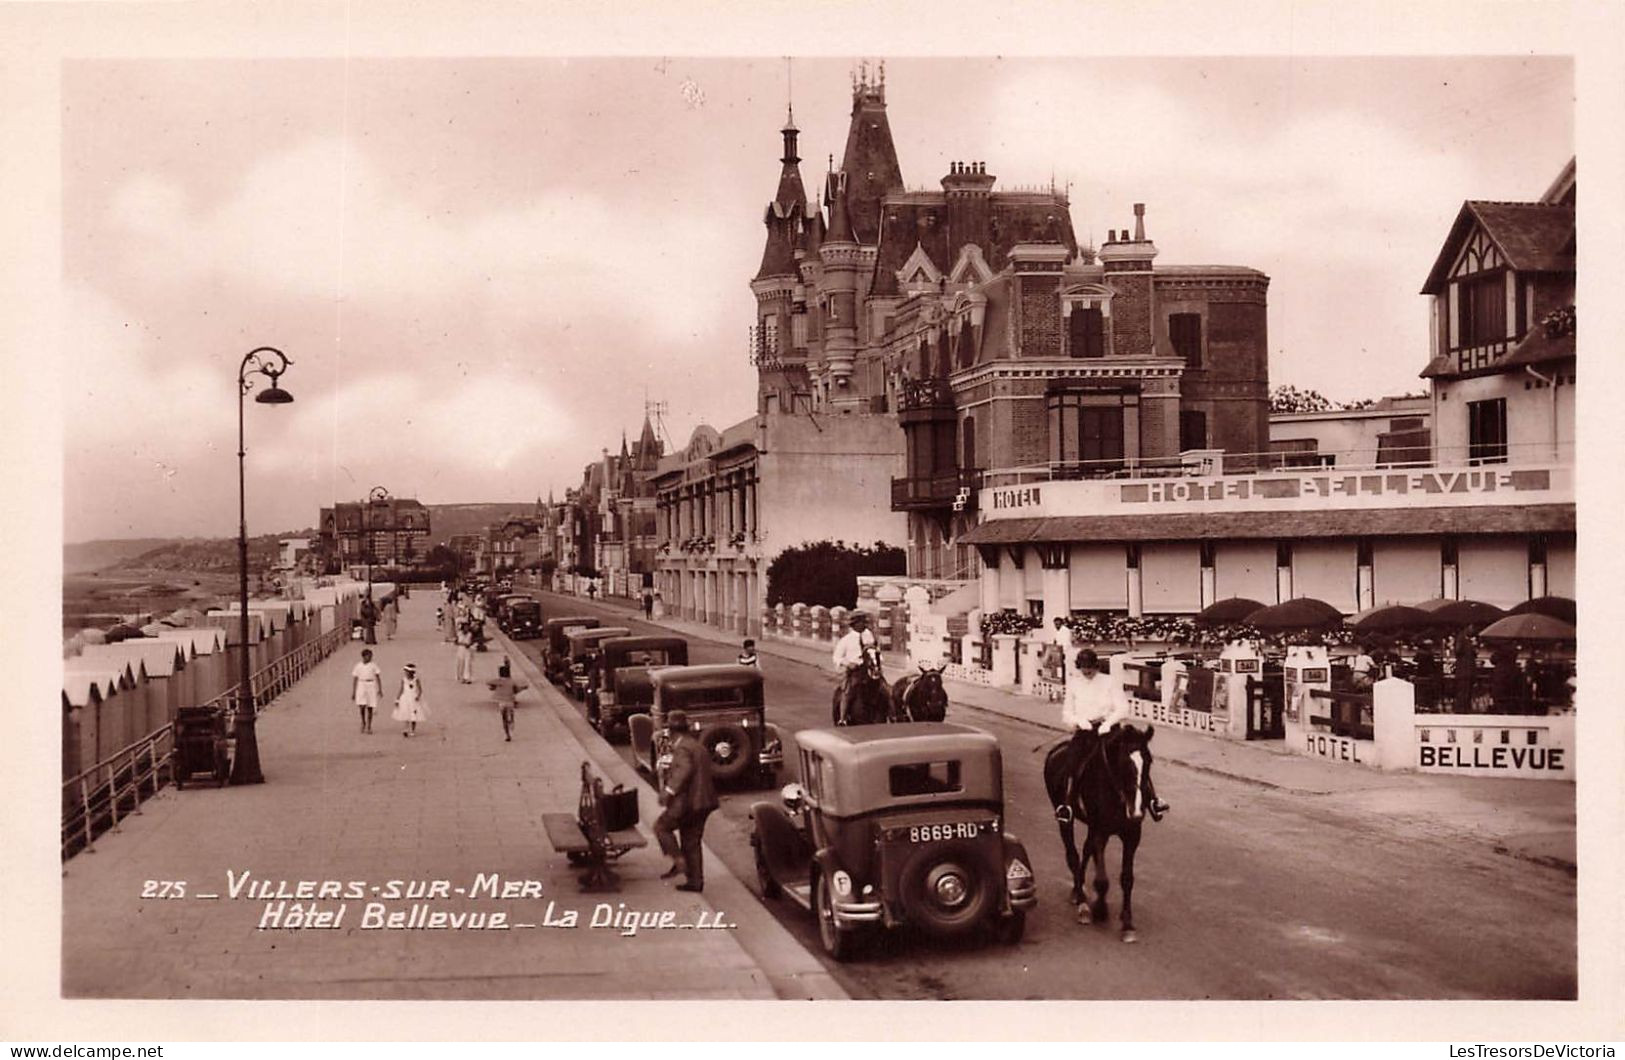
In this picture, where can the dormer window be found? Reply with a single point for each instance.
(1086, 311)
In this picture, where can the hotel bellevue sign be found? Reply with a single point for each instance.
(1319, 490)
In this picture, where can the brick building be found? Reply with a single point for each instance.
(386, 532)
(1486, 511)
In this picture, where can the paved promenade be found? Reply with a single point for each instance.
(1531, 819)
(455, 804)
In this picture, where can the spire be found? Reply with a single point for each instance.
(870, 160)
(784, 214)
(648, 446)
(624, 454)
(840, 224)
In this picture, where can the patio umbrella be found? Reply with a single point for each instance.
(1459, 613)
(1231, 609)
(1434, 604)
(1305, 612)
(1528, 627)
(1558, 607)
(1389, 618)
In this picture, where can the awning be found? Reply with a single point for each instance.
(1209, 526)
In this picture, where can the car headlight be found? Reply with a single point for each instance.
(842, 882)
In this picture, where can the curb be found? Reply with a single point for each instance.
(792, 972)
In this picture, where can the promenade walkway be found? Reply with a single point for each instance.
(1530, 819)
(451, 808)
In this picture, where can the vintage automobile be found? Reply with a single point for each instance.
(581, 656)
(725, 708)
(892, 825)
(554, 631)
(505, 604)
(620, 685)
(523, 619)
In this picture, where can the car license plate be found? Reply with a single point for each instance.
(936, 833)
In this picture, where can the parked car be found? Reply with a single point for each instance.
(726, 710)
(505, 604)
(621, 685)
(892, 825)
(581, 650)
(554, 631)
(524, 619)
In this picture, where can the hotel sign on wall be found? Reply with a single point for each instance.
(1429, 488)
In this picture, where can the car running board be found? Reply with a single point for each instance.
(801, 893)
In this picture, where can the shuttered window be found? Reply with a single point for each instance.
(1494, 569)
(1099, 578)
(1246, 569)
(1325, 570)
(1086, 332)
(1170, 577)
(1405, 571)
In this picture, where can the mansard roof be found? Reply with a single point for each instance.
(1532, 236)
(922, 219)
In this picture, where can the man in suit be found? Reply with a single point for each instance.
(689, 796)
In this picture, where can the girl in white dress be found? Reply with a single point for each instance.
(409, 705)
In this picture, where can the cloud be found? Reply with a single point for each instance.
(324, 221)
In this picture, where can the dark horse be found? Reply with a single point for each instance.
(920, 697)
(1111, 795)
(871, 699)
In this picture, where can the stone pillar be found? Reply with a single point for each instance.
(1004, 659)
(1393, 721)
(990, 587)
(798, 619)
(1057, 588)
(820, 622)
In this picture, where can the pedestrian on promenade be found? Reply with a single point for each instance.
(648, 604)
(391, 614)
(748, 656)
(689, 795)
(369, 620)
(366, 688)
(409, 705)
(465, 654)
(505, 688)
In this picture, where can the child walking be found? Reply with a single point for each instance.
(505, 689)
(409, 705)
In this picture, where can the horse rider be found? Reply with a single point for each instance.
(851, 656)
(1094, 706)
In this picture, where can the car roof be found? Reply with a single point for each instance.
(599, 633)
(710, 674)
(636, 643)
(573, 620)
(883, 740)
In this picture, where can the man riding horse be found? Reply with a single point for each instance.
(854, 656)
(1094, 706)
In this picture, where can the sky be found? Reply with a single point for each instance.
(482, 268)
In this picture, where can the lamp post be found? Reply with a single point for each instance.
(376, 495)
(245, 768)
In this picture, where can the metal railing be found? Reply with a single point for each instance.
(100, 797)
(1203, 463)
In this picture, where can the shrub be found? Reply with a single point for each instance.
(826, 572)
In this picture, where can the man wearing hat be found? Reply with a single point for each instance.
(1094, 705)
(688, 795)
(850, 657)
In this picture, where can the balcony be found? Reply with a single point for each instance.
(942, 490)
(925, 394)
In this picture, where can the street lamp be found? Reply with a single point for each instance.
(376, 495)
(245, 768)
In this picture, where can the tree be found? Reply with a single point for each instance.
(826, 573)
(1290, 399)
(445, 559)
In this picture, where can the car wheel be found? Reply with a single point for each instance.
(764, 878)
(840, 943)
(947, 889)
(730, 747)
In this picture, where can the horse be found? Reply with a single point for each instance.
(871, 698)
(920, 697)
(1112, 792)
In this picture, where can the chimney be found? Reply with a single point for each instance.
(1139, 222)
